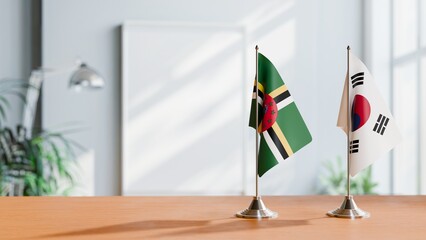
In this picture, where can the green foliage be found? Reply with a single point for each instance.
(334, 181)
(42, 164)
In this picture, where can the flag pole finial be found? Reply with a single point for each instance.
(257, 48)
(349, 48)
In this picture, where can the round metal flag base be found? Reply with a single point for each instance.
(348, 209)
(257, 209)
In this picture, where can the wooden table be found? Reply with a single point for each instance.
(392, 217)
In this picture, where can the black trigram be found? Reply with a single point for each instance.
(381, 124)
(354, 146)
(357, 79)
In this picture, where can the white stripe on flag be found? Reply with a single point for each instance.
(259, 99)
(285, 102)
(272, 146)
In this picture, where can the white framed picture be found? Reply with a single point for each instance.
(184, 113)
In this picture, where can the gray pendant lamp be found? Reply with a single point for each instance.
(86, 77)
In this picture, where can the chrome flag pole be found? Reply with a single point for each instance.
(348, 209)
(257, 208)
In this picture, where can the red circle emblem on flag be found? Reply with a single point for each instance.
(270, 112)
(360, 112)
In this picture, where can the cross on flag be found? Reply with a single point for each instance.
(280, 125)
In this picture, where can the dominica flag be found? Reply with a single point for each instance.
(281, 127)
(372, 130)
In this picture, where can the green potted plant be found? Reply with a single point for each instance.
(333, 181)
(40, 164)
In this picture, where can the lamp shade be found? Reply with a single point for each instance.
(86, 77)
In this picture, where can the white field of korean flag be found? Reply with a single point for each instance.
(372, 131)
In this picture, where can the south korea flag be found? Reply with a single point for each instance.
(372, 130)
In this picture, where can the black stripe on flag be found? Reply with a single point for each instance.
(282, 96)
(380, 126)
(277, 143)
(354, 146)
(259, 92)
(357, 75)
(357, 79)
(261, 114)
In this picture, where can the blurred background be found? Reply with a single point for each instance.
(172, 115)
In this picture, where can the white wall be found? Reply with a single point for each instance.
(305, 39)
(340, 23)
(15, 47)
(377, 56)
(395, 61)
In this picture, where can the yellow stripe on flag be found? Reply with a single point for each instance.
(278, 91)
(282, 138)
(261, 88)
(259, 128)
